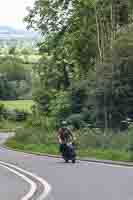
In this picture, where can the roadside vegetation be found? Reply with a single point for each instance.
(25, 105)
(117, 150)
(16, 77)
(83, 75)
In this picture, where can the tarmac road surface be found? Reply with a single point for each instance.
(80, 181)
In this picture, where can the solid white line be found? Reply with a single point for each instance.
(111, 165)
(33, 186)
(47, 187)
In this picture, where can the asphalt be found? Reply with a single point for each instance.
(11, 186)
(80, 181)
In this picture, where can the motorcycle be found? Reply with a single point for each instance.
(69, 153)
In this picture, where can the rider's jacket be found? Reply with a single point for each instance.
(65, 135)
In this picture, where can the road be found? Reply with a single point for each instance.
(79, 181)
(9, 184)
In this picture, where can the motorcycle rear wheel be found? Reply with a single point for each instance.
(74, 161)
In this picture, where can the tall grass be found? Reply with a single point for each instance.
(89, 142)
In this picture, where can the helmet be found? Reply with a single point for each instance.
(64, 123)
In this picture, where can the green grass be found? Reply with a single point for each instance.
(40, 148)
(7, 125)
(19, 104)
(107, 154)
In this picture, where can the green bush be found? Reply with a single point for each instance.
(76, 120)
(96, 138)
(35, 135)
(60, 107)
(87, 137)
(29, 136)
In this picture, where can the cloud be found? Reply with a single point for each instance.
(12, 12)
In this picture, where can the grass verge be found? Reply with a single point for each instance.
(107, 154)
(40, 148)
(9, 126)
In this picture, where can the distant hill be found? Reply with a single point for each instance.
(10, 33)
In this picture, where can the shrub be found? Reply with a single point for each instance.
(76, 120)
(60, 106)
(37, 132)
(28, 136)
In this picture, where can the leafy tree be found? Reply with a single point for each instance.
(82, 46)
(13, 73)
(6, 89)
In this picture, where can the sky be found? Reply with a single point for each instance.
(12, 12)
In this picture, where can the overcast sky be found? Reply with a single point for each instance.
(12, 12)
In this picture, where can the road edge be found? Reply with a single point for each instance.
(93, 160)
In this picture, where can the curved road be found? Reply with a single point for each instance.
(79, 181)
(9, 184)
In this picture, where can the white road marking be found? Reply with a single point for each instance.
(46, 186)
(111, 165)
(33, 186)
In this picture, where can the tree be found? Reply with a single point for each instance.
(14, 73)
(112, 19)
(72, 37)
(6, 90)
(13, 67)
(69, 45)
(78, 41)
(115, 86)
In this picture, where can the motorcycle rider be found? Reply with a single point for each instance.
(65, 136)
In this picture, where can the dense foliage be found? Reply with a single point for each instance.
(84, 75)
(85, 72)
(67, 68)
(16, 73)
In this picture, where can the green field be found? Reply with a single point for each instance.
(19, 104)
